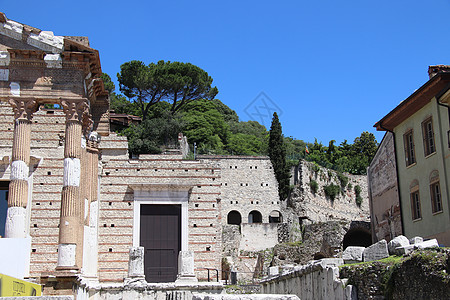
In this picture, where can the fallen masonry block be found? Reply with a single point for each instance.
(403, 250)
(376, 251)
(398, 241)
(353, 254)
(427, 244)
(423, 245)
(416, 240)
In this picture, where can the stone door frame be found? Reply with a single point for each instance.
(161, 194)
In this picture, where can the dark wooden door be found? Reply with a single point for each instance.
(161, 238)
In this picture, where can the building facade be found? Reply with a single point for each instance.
(73, 202)
(385, 216)
(420, 127)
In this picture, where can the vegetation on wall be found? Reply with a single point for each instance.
(331, 191)
(359, 199)
(314, 186)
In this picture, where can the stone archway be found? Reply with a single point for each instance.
(358, 235)
(234, 218)
(254, 217)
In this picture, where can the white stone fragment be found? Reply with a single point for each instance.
(427, 244)
(11, 29)
(19, 170)
(15, 222)
(66, 255)
(72, 171)
(353, 254)
(83, 142)
(46, 41)
(4, 74)
(376, 251)
(398, 241)
(53, 61)
(15, 88)
(416, 240)
(403, 250)
(4, 58)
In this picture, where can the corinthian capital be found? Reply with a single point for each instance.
(23, 108)
(75, 109)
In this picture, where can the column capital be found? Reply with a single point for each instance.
(23, 108)
(76, 109)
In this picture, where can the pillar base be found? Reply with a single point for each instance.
(15, 222)
(66, 257)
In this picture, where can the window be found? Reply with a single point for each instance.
(428, 137)
(254, 217)
(234, 218)
(436, 201)
(415, 205)
(408, 140)
(435, 192)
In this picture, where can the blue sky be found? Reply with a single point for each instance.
(331, 68)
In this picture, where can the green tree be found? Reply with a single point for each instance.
(175, 82)
(277, 154)
(205, 126)
(118, 103)
(155, 133)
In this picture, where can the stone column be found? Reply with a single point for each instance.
(15, 226)
(90, 245)
(70, 228)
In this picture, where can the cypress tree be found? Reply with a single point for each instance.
(277, 154)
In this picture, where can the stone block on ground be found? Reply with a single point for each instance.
(353, 254)
(427, 244)
(416, 240)
(404, 250)
(398, 241)
(376, 251)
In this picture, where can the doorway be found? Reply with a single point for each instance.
(160, 235)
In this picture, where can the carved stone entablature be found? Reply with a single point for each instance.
(76, 110)
(23, 108)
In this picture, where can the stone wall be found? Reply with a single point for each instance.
(247, 184)
(316, 280)
(317, 207)
(256, 237)
(424, 274)
(119, 176)
(383, 192)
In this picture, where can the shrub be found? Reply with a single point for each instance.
(342, 179)
(313, 185)
(331, 190)
(349, 186)
(315, 168)
(359, 199)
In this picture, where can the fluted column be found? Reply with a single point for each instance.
(71, 227)
(90, 255)
(15, 226)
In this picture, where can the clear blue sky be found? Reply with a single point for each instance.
(333, 68)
